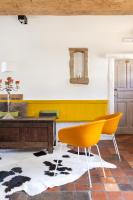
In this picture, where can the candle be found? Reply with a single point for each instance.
(17, 82)
(9, 78)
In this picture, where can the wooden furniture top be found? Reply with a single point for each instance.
(31, 119)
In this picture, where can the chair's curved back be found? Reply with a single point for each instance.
(83, 135)
(111, 123)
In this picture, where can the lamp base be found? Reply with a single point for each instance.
(8, 116)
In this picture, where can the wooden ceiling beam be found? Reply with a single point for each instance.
(66, 7)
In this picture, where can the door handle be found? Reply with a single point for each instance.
(115, 92)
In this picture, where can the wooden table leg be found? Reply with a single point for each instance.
(50, 149)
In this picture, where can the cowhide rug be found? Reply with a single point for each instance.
(33, 172)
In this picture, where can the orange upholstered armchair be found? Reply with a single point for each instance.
(85, 135)
(110, 127)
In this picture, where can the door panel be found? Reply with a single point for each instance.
(130, 113)
(131, 76)
(122, 107)
(124, 94)
(122, 76)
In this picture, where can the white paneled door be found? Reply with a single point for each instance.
(123, 92)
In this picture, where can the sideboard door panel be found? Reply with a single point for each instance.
(27, 133)
(35, 134)
(9, 135)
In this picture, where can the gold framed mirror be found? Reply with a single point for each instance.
(78, 65)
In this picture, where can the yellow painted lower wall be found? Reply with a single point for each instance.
(69, 110)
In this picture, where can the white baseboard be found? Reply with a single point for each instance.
(105, 137)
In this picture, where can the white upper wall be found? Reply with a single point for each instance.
(39, 52)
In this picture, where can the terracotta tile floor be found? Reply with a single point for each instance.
(118, 185)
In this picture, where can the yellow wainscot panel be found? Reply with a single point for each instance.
(69, 110)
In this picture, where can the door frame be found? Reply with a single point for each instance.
(111, 64)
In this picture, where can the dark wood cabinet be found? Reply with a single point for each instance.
(27, 133)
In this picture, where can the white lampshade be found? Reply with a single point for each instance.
(5, 67)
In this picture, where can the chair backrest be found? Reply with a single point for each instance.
(111, 123)
(83, 135)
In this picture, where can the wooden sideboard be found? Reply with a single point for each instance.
(27, 133)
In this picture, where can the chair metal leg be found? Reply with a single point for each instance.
(78, 151)
(89, 151)
(88, 167)
(78, 154)
(58, 160)
(90, 195)
(116, 147)
(101, 160)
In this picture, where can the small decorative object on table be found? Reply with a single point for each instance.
(9, 86)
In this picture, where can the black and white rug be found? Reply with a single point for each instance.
(33, 172)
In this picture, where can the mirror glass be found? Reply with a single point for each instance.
(78, 64)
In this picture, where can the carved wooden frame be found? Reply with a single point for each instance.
(79, 80)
